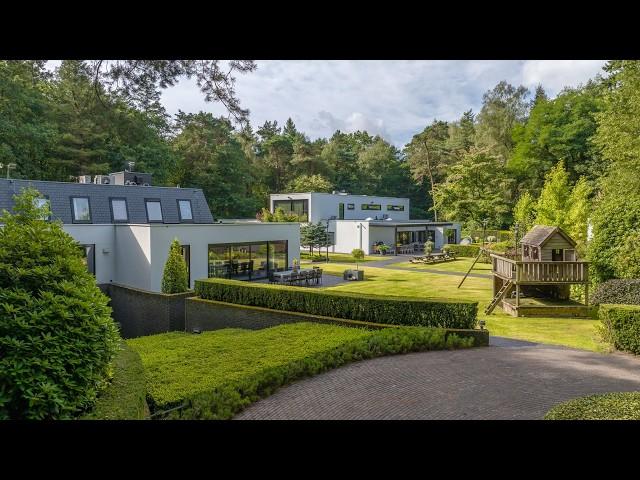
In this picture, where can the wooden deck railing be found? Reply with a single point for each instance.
(552, 272)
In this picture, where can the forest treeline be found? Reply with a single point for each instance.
(58, 124)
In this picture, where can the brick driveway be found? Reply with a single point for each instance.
(508, 380)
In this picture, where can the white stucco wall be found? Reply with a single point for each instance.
(348, 236)
(200, 236)
(323, 206)
(103, 237)
(133, 256)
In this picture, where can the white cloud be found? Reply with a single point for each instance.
(394, 99)
(554, 75)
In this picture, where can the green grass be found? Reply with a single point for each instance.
(458, 265)
(610, 406)
(124, 398)
(572, 332)
(341, 258)
(217, 373)
(182, 364)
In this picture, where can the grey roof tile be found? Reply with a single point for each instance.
(60, 193)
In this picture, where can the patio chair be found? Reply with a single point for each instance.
(318, 276)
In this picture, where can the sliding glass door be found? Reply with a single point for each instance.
(247, 261)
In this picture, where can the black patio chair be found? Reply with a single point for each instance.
(319, 276)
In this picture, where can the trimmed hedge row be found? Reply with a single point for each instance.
(621, 326)
(619, 291)
(125, 397)
(224, 402)
(463, 250)
(608, 406)
(376, 309)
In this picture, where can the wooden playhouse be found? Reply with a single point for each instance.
(536, 281)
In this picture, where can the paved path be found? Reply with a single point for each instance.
(510, 379)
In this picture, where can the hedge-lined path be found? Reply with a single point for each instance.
(510, 379)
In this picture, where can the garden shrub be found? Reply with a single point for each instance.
(621, 326)
(125, 397)
(57, 338)
(175, 278)
(620, 291)
(608, 406)
(464, 250)
(368, 308)
(227, 400)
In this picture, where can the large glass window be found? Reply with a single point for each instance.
(119, 210)
(371, 206)
(247, 261)
(186, 254)
(81, 210)
(396, 208)
(184, 208)
(299, 207)
(279, 259)
(154, 210)
(452, 235)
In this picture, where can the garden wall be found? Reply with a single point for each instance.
(214, 315)
(140, 312)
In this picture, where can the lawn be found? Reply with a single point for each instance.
(572, 332)
(458, 265)
(340, 258)
(224, 370)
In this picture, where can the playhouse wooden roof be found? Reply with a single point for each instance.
(540, 234)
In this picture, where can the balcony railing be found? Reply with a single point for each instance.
(531, 272)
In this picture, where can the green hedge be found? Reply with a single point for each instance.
(609, 406)
(125, 397)
(621, 326)
(376, 309)
(463, 250)
(225, 401)
(621, 291)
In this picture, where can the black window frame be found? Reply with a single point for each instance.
(277, 203)
(229, 245)
(91, 260)
(183, 220)
(351, 206)
(73, 209)
(187, 260)
(369, 206)
(126, 207)
(395, 208)
(146, 209)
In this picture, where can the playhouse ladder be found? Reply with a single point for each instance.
(499, 296)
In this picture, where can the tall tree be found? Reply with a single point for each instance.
(558, 129)
(140, 81)
(616, 216)
(210, 157)
(503, 108)
(428, 156)
(476, 188)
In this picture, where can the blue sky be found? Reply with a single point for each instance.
(395, 99)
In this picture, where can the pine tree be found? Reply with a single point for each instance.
(174, 278)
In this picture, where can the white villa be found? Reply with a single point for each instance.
(364, 221)
(126, 227)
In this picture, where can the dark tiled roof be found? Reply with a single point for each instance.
(539, 234)
(60, 193)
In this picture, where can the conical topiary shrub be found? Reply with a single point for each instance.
(175, 277)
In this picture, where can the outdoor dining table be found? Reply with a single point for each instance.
(289, 272)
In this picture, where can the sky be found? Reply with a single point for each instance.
(392, 98)
(395, 99)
